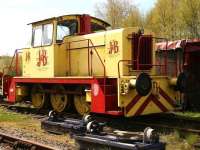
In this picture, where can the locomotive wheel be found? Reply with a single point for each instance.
(59, 102)
(82, 107)
(38, 96)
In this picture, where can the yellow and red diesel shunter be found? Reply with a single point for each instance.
(75, 60)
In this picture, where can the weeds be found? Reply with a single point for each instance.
(6, 116)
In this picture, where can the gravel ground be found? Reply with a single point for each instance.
(5, 147)
(28, 127)
(60, 142)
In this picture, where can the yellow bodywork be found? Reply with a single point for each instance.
(77, 47)
(158, 82)
(70, 59)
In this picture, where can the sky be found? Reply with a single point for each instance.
(16, 14)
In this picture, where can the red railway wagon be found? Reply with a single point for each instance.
(182, 58)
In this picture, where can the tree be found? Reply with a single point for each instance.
(175, 19)
(163, 19)
(190, 16)
(172, 19)
(5, 62)
(119, 13)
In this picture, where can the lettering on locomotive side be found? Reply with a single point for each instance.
(114, 47)
(42, 58)
(28, 56)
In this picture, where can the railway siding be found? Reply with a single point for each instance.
(28, 127)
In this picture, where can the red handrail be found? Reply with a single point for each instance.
(165, 61)
(11, 67)
(138, 54)
(8, 68)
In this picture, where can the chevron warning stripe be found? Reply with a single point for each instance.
(169, 100)
(133, 102)
(147, 101)
(150, 98)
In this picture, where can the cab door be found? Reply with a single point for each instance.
(38, 61)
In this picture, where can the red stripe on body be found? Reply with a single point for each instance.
(159, 104)
(150, 98)
(169, 100)
(133, 102)
(141, 109)
(147, 101)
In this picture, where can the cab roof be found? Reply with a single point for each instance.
(71, 15)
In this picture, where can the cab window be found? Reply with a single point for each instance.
(42, 35)
(66, 28)
(37, 37)
(47, 34)
(97, 27)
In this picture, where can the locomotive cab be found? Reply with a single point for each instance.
(53, 30)
(49, 37)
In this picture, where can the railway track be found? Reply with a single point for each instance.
(27, 110)
(161, 122)
(91, 134)
(133, 126)
(172, 121)
(34, 112)
(167, 121)
(20, 144)
(163, 126)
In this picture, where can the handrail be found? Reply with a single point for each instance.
(138, 56)
(8, 68)
(11, 67)
(12, 61)
(166, 61)
(123, 60)
(75, 41)
(90, 53)
(104, 68)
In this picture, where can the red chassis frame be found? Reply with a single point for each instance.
(99, 103)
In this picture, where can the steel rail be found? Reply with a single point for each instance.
(22, 143)
(133, 122)
(168, 127)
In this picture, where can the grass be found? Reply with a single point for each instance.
(179, 140)
(6, 116)
(191, 138)
(174, 141)
(188, 114)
